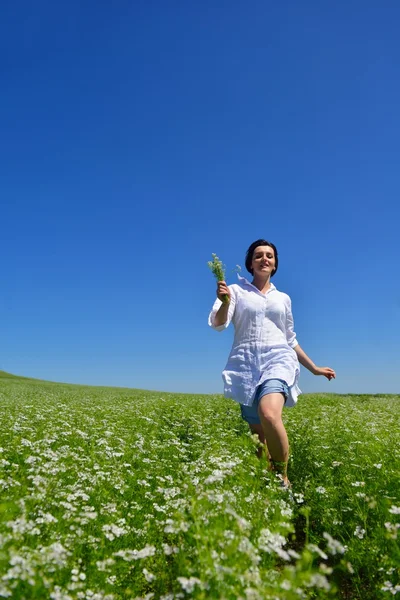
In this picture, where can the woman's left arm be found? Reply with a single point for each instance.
(308, 364)
(301, 355)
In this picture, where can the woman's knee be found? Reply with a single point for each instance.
(270, 416)
(270, 408)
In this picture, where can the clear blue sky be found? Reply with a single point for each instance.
(139, 137)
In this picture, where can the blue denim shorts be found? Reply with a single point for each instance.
(270, 386)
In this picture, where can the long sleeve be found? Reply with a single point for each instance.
(215, 308)
(290, 334)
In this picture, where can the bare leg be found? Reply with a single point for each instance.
(257, 428)
(270, 412)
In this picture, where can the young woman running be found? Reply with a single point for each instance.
(263, 366)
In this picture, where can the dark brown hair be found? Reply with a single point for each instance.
(250, 251)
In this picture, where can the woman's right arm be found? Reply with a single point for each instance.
(223, 309)
(223, 294)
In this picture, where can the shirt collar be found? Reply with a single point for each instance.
(244, 281)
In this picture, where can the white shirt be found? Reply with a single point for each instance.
(263, 344)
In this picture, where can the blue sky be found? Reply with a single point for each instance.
(140, 137)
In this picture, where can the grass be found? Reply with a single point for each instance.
(111, 494)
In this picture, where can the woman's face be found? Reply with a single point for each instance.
(263, 261)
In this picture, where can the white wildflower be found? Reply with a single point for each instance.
(144, 482)
(148, 576)
(286, 510)
(25, 442)
(55, 554)
(103, 565)
(4, 591)
(392, 529)
(319, 581)
(320, 489)
(129, 555)
(299, 498)
(215, 497)
(389, 587)
(272, 542)
(46, 518)
(59, 594)
(216, 475)
(325, 569)
(189, 583)
(113, 531)
(334, 546)
(286, 585)
(395, 510)
(359, 532)
(168, 550)
(172, 527)
(317, 550)
(169, 492)
(242, 523)
(247, 547)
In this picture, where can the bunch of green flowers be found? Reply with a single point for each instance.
(218, 270)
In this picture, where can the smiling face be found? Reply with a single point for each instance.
(263, 262)
(265, 253)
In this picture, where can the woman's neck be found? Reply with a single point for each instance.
(262, 284)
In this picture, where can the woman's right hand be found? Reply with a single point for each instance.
(223, 292)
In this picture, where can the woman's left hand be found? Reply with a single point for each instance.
(326, 371)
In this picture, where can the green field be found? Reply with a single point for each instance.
(111, 493)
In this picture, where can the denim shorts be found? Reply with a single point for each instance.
(270, 386)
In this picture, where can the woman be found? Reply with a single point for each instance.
(263, 366)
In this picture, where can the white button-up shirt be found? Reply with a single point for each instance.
(263, 343)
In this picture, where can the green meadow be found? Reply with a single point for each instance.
(112, 493)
